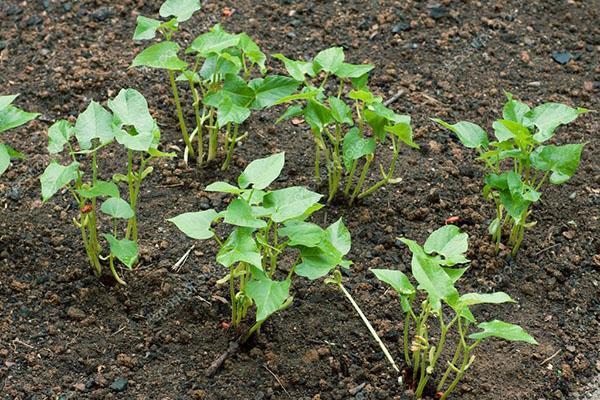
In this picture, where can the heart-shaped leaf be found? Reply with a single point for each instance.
(145, 28)
(356, 146)
(116, 207)
(240, 246)
(181, 9)
(94, 123)
(125, 250)
(262, 172)
(563, 161)
(56, 176)
(196, 224)
(268, 295)
(100, 189)
(470, 134)
(290, 203)
(161, 55)
(503, 330)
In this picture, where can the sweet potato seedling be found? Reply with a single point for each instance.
(219, 78)
(130, 125)
(11, 117)
(434, 268)
(263, 224)
(518, 163)
(347, 125)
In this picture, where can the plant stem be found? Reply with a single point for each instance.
(405, 340)
(114, 271)
(317, 161)
(350, 178)
(232, 297)
(362, 178)
(212, 136)
(199, 122)
(184, 131)
(232, 142)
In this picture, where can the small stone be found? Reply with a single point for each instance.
(438, 12)
(525, 57)
(79, 386)
(68, 6)
(34, 20)
(569, 234)
(119, 385)
(400, 27)
(100, 14)
(561, 57)
(76, 314)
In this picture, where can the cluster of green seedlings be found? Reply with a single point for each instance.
(262, 225)
(219, 77)
(518, 163)
(269, 240)
(133, 128)
(11, 117)
(348, 125)
(434, 266)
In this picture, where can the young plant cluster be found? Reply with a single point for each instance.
(348, 126)
(219, 77)
(11, 117)
(133, 128)
(519, 162)
(435, 299)
(263, 225)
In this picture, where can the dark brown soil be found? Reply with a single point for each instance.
(64, 335)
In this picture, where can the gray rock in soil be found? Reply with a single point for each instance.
(119, 385)
(561, 57)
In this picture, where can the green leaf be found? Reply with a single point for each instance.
(471, 299)
(514, 110)
(234, 88)
(223, 187)
(346, 70)
(239, 213)
(116, 207)
(505, 129)
(58, 135)
(548, 117)
(268, 295)
(340, 111)
(365, 96)
(297, 69)
(139, 142)
(56, 176)
(329, 60)
(260, 173)
(213, 42)
(100, 189)
(318, 261)
(131, 108)
(503, 330)
(449, 242)
(403, 131)
(356, 146)
(146, 28)
(396, 279)
(431, 277)
(302, 233)
(252, 51)
(269, 90)
(390, 116)
(125, 250)
(317, 115)
(292, 111)
(470, 134)
(219, 65)
(181, 9)
(4, 158)
(339, 236)
(240, 246)
(563, 161)
(161, 55)
(5, 101)
(229, 112)
(94, 123)
(196, 224)
(12, 117)
(290, 203)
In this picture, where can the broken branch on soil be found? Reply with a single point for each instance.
(177, 266)
(395, 97)
(218, 363)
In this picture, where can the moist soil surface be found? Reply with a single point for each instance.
(66, 335)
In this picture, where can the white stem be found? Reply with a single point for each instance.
(370, 327)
